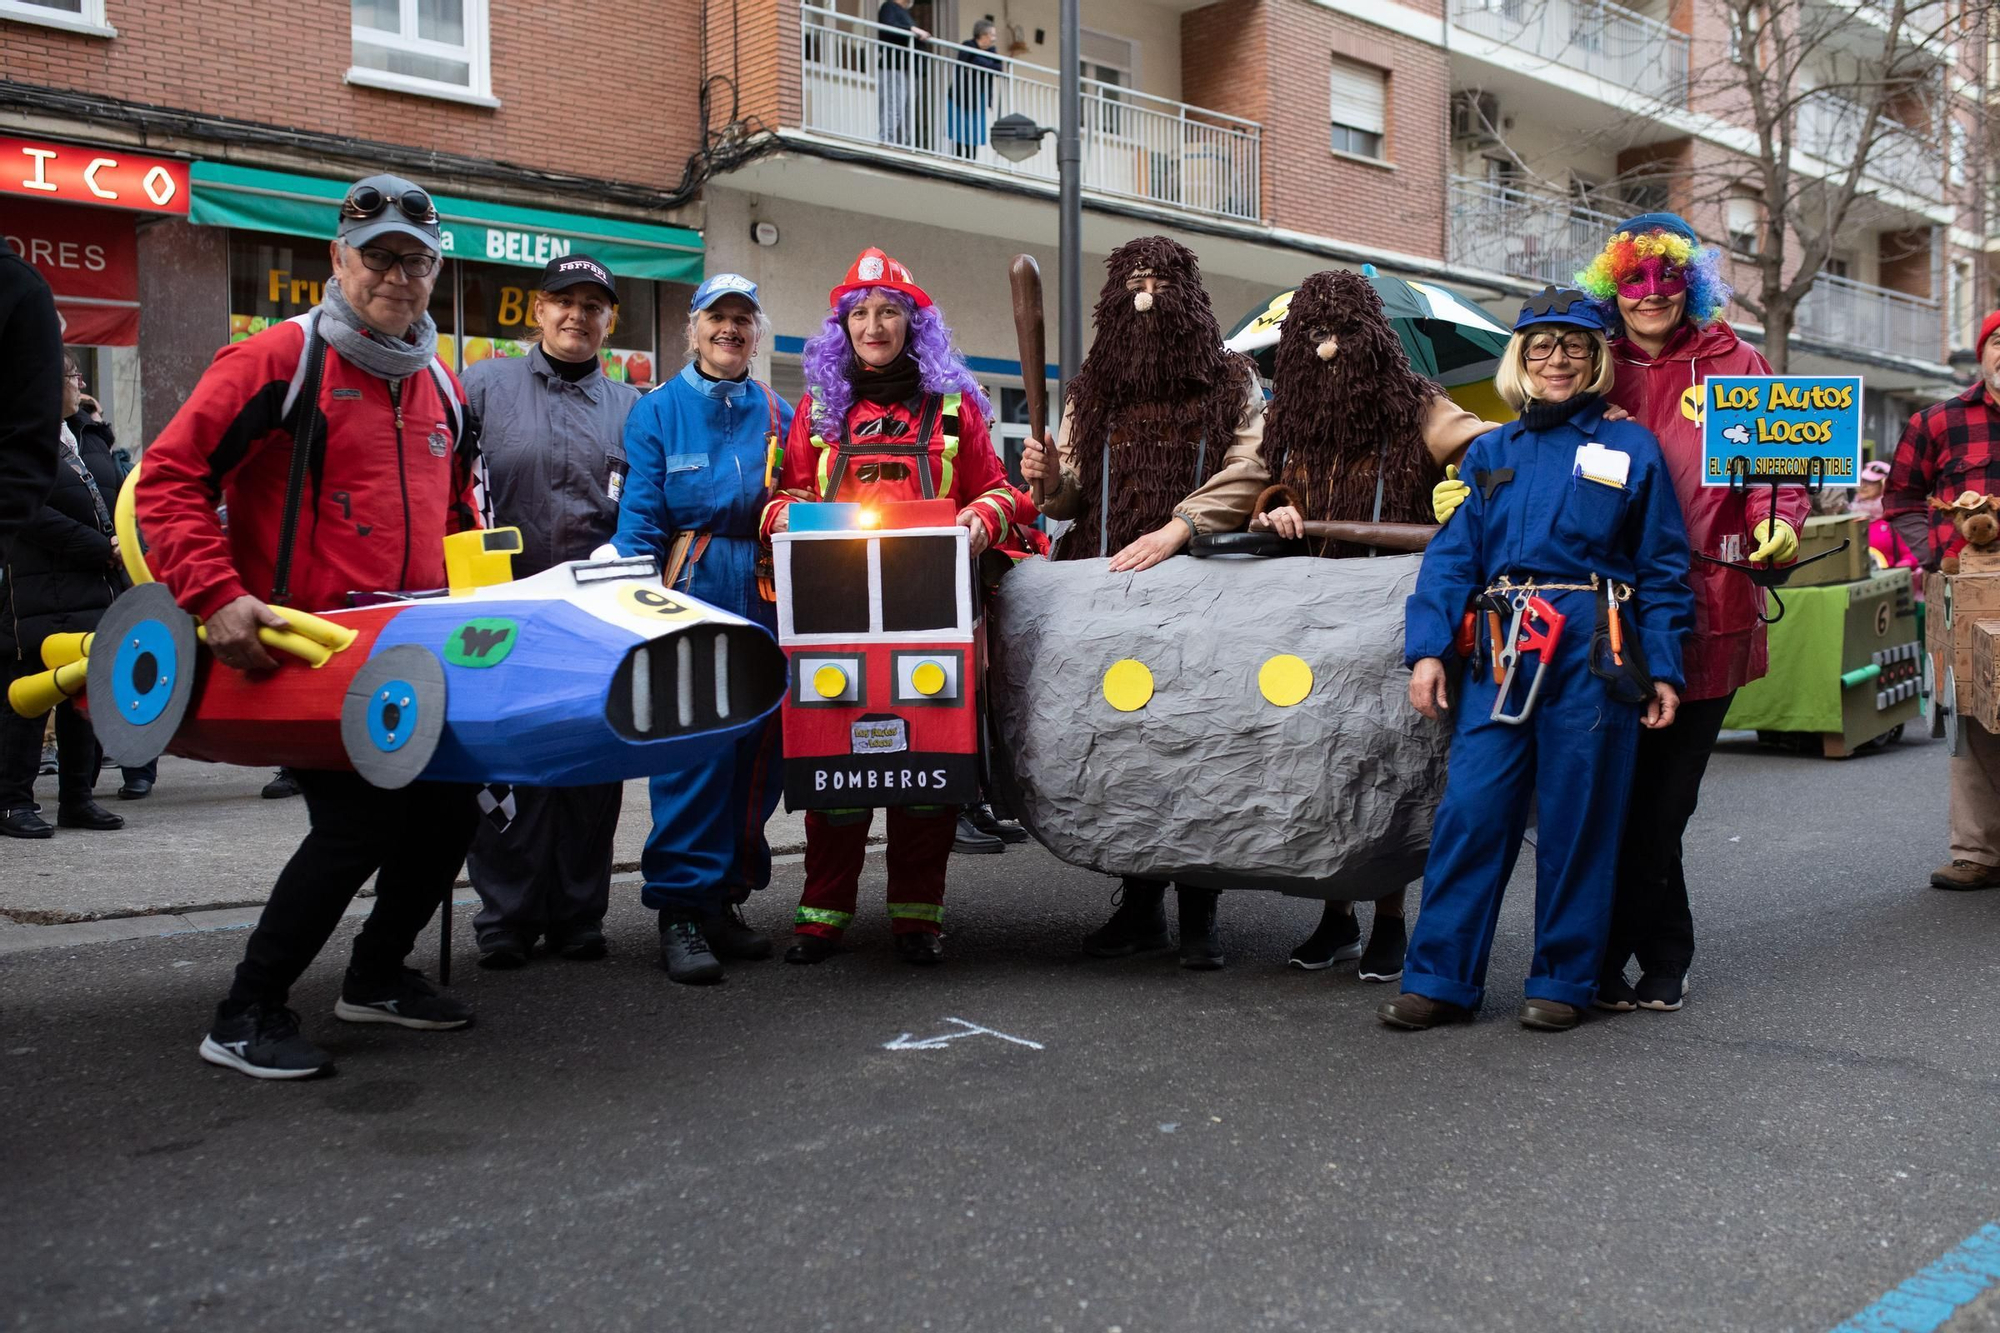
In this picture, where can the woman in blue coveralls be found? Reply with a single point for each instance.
(1574, 519)
(698, 447)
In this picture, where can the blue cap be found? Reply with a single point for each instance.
(1562, 305)
(714, 288)
(1646, 222)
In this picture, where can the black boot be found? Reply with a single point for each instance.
(1201, 942)
(987, 822)
(970, 840)
(1138, 926)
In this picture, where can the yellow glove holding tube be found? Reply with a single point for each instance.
(1777, 542)
(1448, 495)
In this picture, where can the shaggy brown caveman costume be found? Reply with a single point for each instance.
(1353, 432)
(1161, 440)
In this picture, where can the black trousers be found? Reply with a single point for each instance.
(21, 749)
(549, 869)
(1650, 917)
(415, 838)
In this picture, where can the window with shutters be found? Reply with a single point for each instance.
(436, 48)
(1359, 109)
(1744, 224)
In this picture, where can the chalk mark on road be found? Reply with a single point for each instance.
(904, 1042)
(1928, 1301)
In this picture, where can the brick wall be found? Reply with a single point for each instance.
(282, 62)
(1269, 60)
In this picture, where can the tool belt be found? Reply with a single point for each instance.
(1519, 620)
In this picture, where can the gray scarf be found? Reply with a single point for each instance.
(384, 357)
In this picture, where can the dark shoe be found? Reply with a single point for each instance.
(810, 949)
(732, 939)
(263, 1041)
(281, 786)
(684, 952)
(1138, 926)
(1549, 1015)
(580, 944)
(504, 950)
(1336, 939)
(1965, 875)
(407, 999)
(1387, 941)
(136, 789)
(48, 768)
(1662, 994)
(987, 822)
(1201, 941)
(920, 947)
(25, 823)
(1615, 995)
(88, 814)
(1414, 1013)
(971, 841)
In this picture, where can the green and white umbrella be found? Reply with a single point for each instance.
(1448, 338)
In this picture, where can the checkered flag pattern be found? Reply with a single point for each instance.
(496, 803)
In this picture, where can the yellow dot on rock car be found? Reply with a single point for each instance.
(1285, 680)
(1127, 685)
(830, 682)
(927, 678)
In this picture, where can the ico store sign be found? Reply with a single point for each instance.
(90, 258)
(103, 177)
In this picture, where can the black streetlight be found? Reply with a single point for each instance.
(1017, 138)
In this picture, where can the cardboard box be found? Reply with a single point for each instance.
(1957, 602)
(1985, 709)
(1825, 532)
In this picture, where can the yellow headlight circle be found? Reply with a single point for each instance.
(1285, 680)
(927, 678)
(1128, 685)
(830, 682)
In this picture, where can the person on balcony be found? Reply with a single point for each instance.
(972, 90)
(1663, 290)
(892, 74)
(882, 369)
(1161, 439)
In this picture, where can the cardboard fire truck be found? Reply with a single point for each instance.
(877, 613)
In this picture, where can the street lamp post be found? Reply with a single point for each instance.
(1017, 138)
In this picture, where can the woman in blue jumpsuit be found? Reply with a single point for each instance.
(1596, 535)
(698, 447)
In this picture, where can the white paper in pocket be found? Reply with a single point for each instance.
(1613, 467)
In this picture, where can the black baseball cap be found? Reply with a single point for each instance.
(569, 270)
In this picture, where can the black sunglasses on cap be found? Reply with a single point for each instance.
(365, 201)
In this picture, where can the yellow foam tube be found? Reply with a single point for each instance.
(125, 518)
(33, 696)
(285, 641)
(320, 631)
(59, 650)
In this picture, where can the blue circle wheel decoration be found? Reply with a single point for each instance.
(144, 668)
(392, 715)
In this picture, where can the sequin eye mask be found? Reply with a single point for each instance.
(1655, 276)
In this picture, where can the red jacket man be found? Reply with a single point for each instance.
(391, 472)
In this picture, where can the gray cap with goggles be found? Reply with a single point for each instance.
(389, 205)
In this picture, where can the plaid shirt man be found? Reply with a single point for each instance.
(1947, 448)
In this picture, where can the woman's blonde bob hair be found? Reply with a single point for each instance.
(1511, 380)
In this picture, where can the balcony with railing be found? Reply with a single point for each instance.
(1829, 128)
(1625, 49)
(872, 85)
(1524, 235)
(1854, 314)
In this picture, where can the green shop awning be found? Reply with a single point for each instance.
(232, 196)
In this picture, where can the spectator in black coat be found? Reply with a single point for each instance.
(31, 392)
(972, 89)
(61, 572)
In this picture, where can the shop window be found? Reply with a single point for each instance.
(495, 301)
(272, 278)
(1359, 108)
(73, 15)
(435, 48)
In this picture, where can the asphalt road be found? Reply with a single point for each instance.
(1240, 1150)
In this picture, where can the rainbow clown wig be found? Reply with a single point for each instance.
(1657, 254)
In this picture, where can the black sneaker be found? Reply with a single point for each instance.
(731, 939)
(1662, 994)
(503, 950)
(281, 786)
(1336, 939)
(684, 952)
(263, 1041)
(1615, 995)
(1382, 960)
(407, 1000)
(583, 943)
(1138, 926)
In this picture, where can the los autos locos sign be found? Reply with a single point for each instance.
(105, 177)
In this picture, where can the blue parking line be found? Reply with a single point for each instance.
(1926, 1301)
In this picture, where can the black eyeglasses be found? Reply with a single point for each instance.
(365, 201)
(1543, 346)
(417, 263)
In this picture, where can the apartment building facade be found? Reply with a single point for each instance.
(1484, 144)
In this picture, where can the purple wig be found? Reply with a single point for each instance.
(830, 363)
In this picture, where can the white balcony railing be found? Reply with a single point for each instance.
(861, 84)
(1829, 128)
(1626, 50)
(1523, 235)
(1854, 314)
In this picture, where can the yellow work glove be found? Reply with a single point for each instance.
(1777, 542)
(1449, 494)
